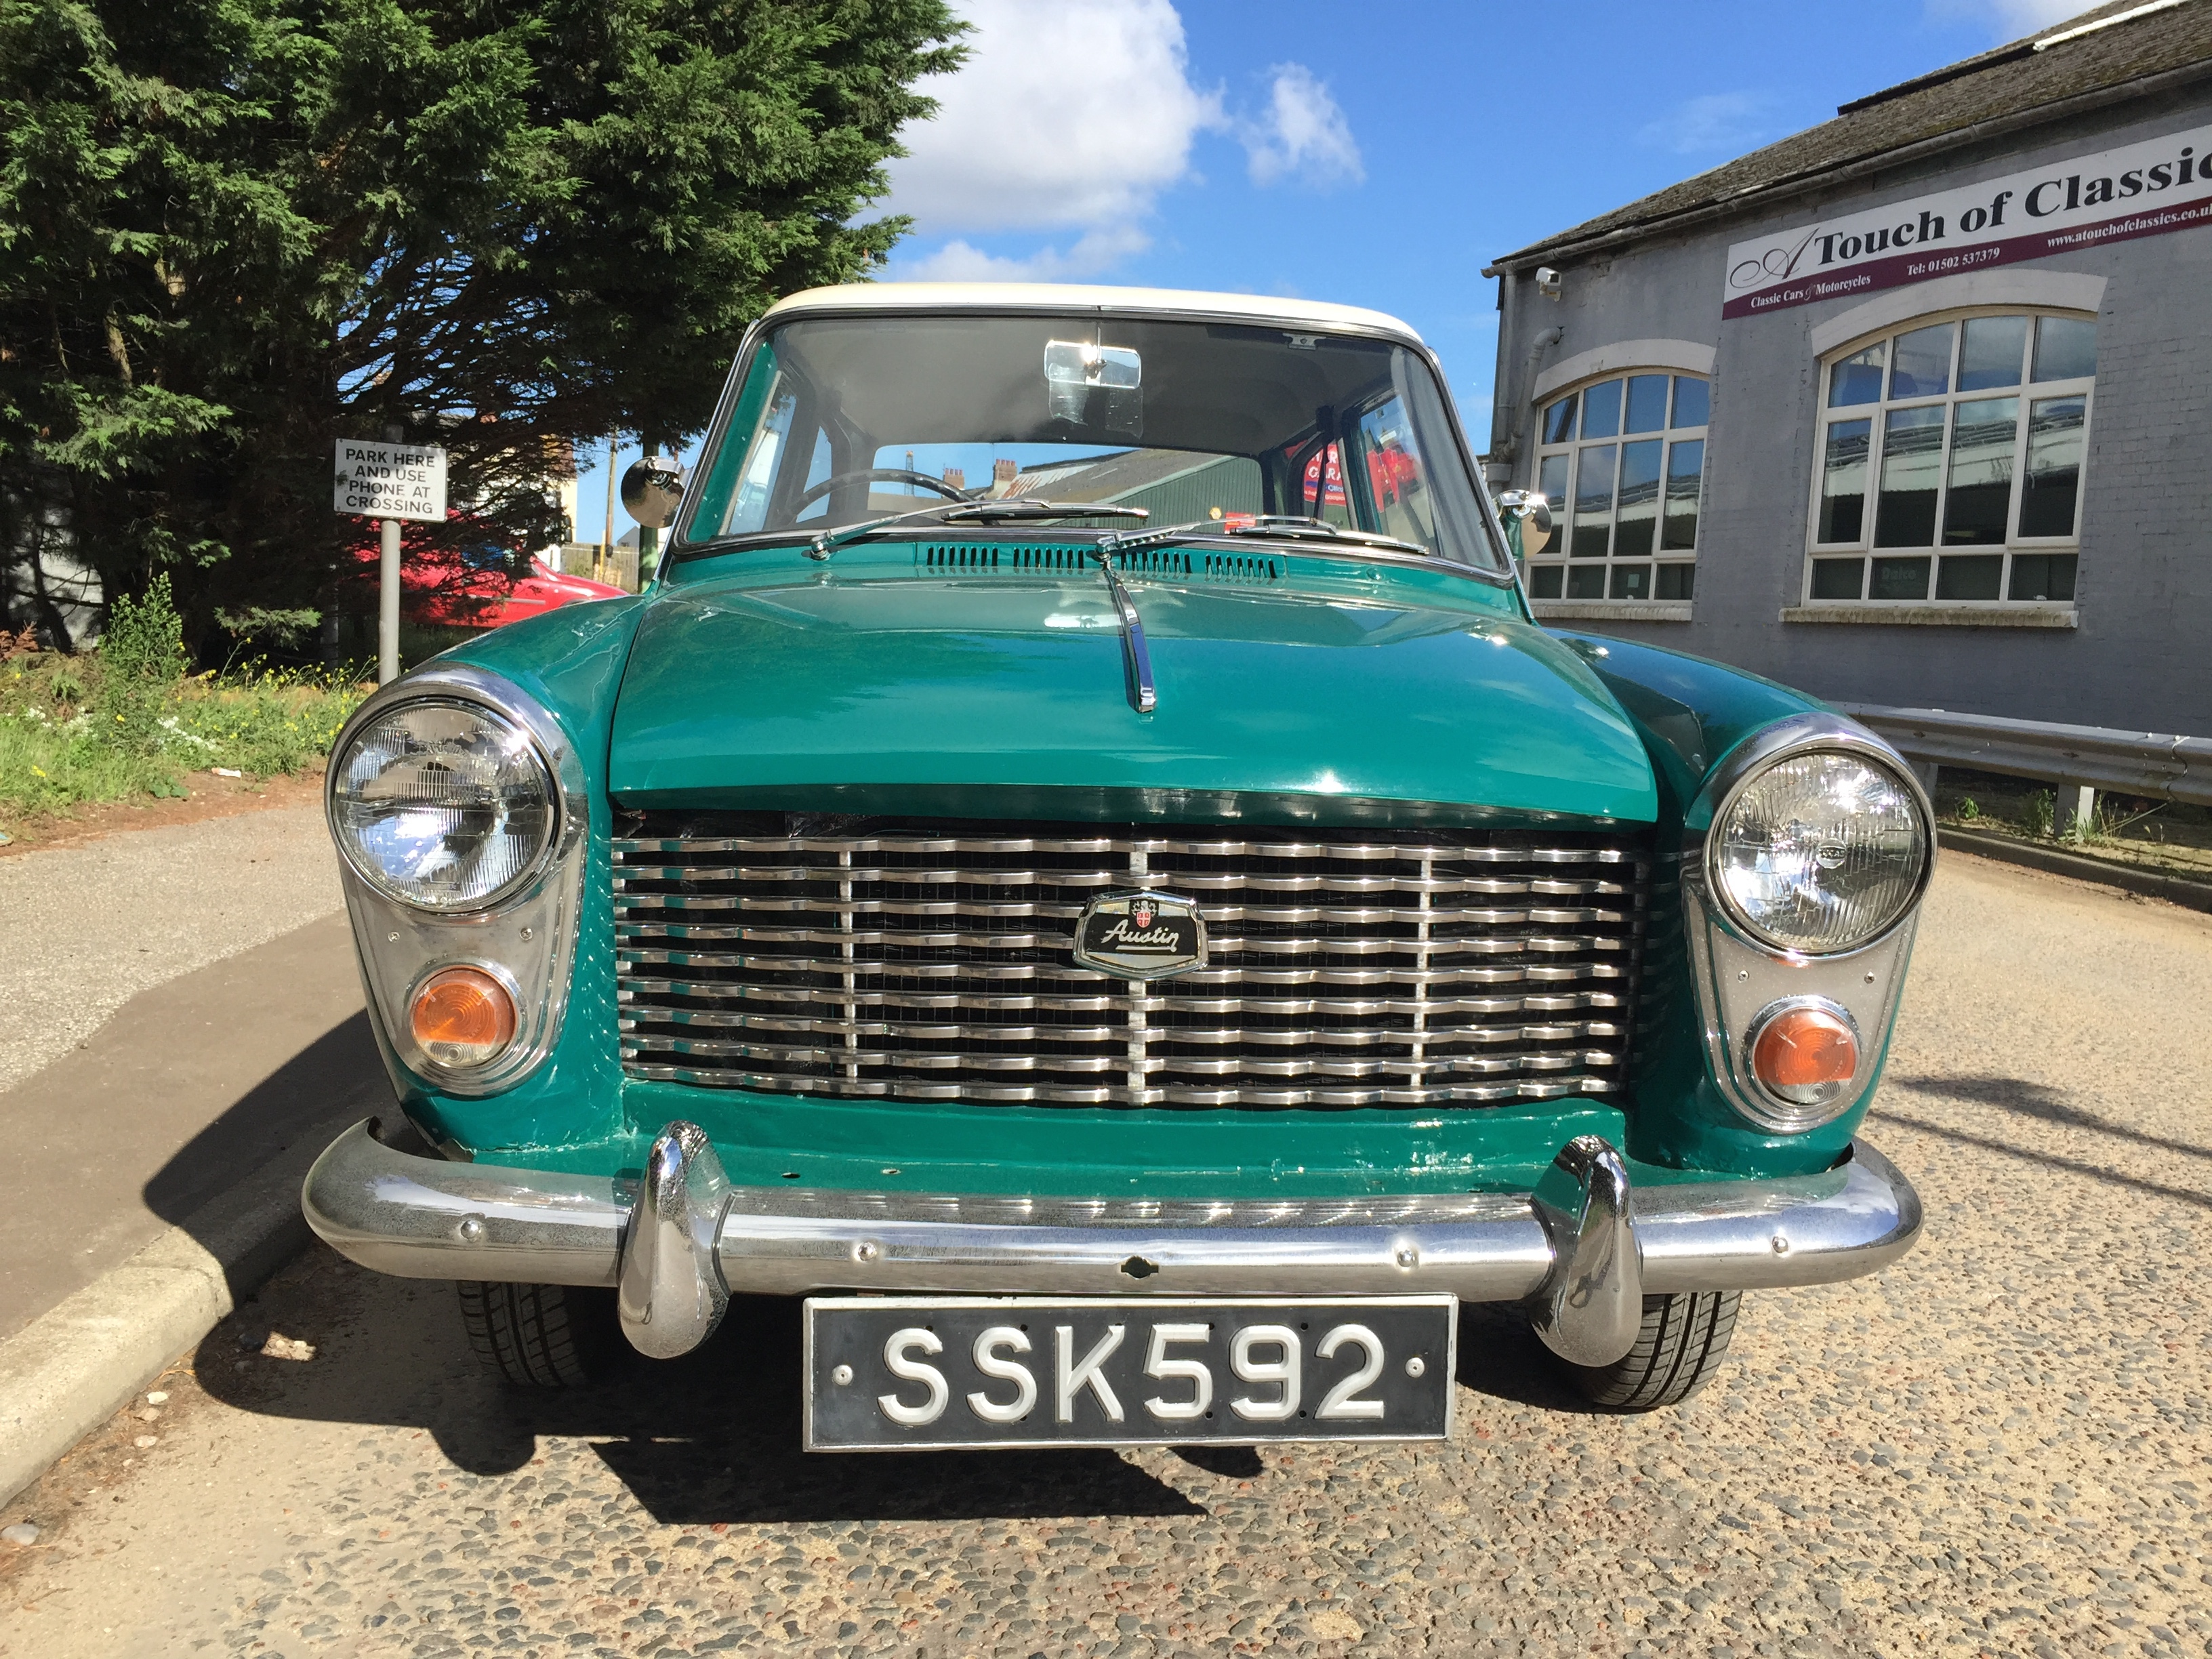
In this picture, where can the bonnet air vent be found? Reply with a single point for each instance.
(990, 559)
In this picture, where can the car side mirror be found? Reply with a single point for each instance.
(1528, 517)
(652, 490)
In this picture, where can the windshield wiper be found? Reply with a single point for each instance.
(822, 543)
(827, 542)
(1279, 526)
(1021, 509)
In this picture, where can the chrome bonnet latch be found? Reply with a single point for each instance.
(1136, 657)
(671, 1293)
(1591, 1303)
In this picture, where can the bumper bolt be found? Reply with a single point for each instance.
(866, 1251)
(1781, 1245)
(471, 1230)
(1407, 1257)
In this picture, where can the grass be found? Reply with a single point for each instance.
(62, 743)
(2168, 836)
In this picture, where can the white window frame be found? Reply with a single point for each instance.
(1556, 555)
(2028, 392)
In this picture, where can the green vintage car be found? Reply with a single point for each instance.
(1083, 866)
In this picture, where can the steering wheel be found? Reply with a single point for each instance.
(891, 474)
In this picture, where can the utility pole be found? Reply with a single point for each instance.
(607, 539)
(387, 598)
(648, 538)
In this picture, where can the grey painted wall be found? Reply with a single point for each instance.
(2142, 656)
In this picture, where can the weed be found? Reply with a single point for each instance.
(142, 664)
(2038, 815)
(1968, 810)
(61, 743)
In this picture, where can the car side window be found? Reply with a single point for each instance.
(749, 509)
(1389, 462)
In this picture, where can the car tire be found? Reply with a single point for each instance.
(543, 1336)
(1680, 1344)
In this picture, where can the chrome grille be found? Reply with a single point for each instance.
(927, 960)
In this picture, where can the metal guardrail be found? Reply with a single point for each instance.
(2156, 764)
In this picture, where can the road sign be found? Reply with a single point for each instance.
(390, 481)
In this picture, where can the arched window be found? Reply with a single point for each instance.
(1623, 463)
(1950, 462)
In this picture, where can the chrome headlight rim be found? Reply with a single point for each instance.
(460, 685)
(1792, 738)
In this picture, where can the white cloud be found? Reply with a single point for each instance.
(2009, 20)
(1093, 253)
(1715, 121)
(1078, 113)
(1302, 134)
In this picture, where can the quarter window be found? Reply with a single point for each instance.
(1950, 463)
(1623, 463)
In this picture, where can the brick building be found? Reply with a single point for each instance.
(1910, 408)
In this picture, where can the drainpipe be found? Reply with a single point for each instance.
(1503, 426)
(1524, 402)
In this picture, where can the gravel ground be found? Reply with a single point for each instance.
(2003, 1445)
(84, 929)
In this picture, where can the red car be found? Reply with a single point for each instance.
(476, 585)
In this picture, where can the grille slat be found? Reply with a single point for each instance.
(868, 963)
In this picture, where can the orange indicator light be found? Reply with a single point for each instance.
(1805, 1049)
(463, 1017)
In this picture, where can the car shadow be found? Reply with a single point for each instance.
(2024, 1098)
(714, 1437)
(338, 1076)
(1500, 1358)
(711, 1438)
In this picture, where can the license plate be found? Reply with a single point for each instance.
(885, 1373)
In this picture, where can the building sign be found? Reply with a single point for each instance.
(390, 481)
(2144, 190)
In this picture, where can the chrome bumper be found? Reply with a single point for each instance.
(1584, 1249)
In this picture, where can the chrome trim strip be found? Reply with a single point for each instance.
(420, 1217)
(1347, 851)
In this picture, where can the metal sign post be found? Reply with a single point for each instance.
(390, 481)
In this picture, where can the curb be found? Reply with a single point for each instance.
(67, 1372)
(2191, 894)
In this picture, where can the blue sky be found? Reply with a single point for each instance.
(1379, 157)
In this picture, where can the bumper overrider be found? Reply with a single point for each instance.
(1582, 1251)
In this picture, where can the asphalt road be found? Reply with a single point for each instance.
(84, 929)
(182, 1006)
(2001, 1445)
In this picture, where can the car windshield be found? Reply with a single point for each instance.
(843, 420)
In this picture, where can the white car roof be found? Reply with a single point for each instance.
(1074, 296)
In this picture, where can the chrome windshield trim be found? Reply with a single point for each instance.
(1508, 575)
(1136, 658)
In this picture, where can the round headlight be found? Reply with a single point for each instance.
(1819, 852)
(446, 805)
